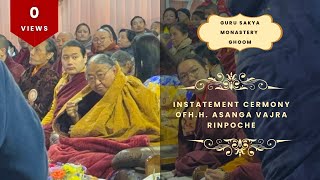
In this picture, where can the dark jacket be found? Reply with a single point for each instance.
(15, 68)
(292, 64)
(22, 150)
(44, 82)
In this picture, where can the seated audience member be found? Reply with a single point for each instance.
(184, 15)
(110, 28)
(138, 25)
(157, 28)
(73, 58)
(181, 41)
(103, 43)
(126, 36)
(24, 54)
(146, 50)
(126, 62)
(193, 154)
(197, 18)
(115, 112)
(23, 155)
(211, 9)
(170, 17)
(12, 50)
(83, 35)
(38, 81)
(62, 38)
(15, 68)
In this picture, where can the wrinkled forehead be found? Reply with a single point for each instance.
(64, 36)
(101, 34)
(94, 68)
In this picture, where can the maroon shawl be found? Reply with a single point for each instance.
(57, 66)
(94, 153)
(226, 57)
(69, 90)
(15, 68)
(23, 57)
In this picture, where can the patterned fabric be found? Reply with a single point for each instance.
(170, 92)
(43, 82)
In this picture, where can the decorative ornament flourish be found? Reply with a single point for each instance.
(231, 82)
(240, 146)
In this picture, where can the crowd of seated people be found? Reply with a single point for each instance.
(99, 92)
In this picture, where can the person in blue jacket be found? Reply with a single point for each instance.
(292, 64)
(22, 150)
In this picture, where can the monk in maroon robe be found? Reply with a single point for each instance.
(15, 68)
(62, 38)
(24, 54)
(73, 80)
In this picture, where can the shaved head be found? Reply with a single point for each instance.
(62, 38)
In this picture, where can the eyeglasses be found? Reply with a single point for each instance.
(100, 76)
(184, 76)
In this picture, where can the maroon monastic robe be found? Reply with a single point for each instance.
(15, 68)
(70, 89)
(226, 57)
(57, 66)
(23, 57)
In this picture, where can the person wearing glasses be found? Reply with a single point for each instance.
(103, 42)
(113, 109)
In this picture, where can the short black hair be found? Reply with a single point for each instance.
(75, 43)
(51, 47)
(171, 9)
(195, 57)
(130, 34)
(200, 14)
(203, 51)
(136, 17)
(182, 27)
(83, 24)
